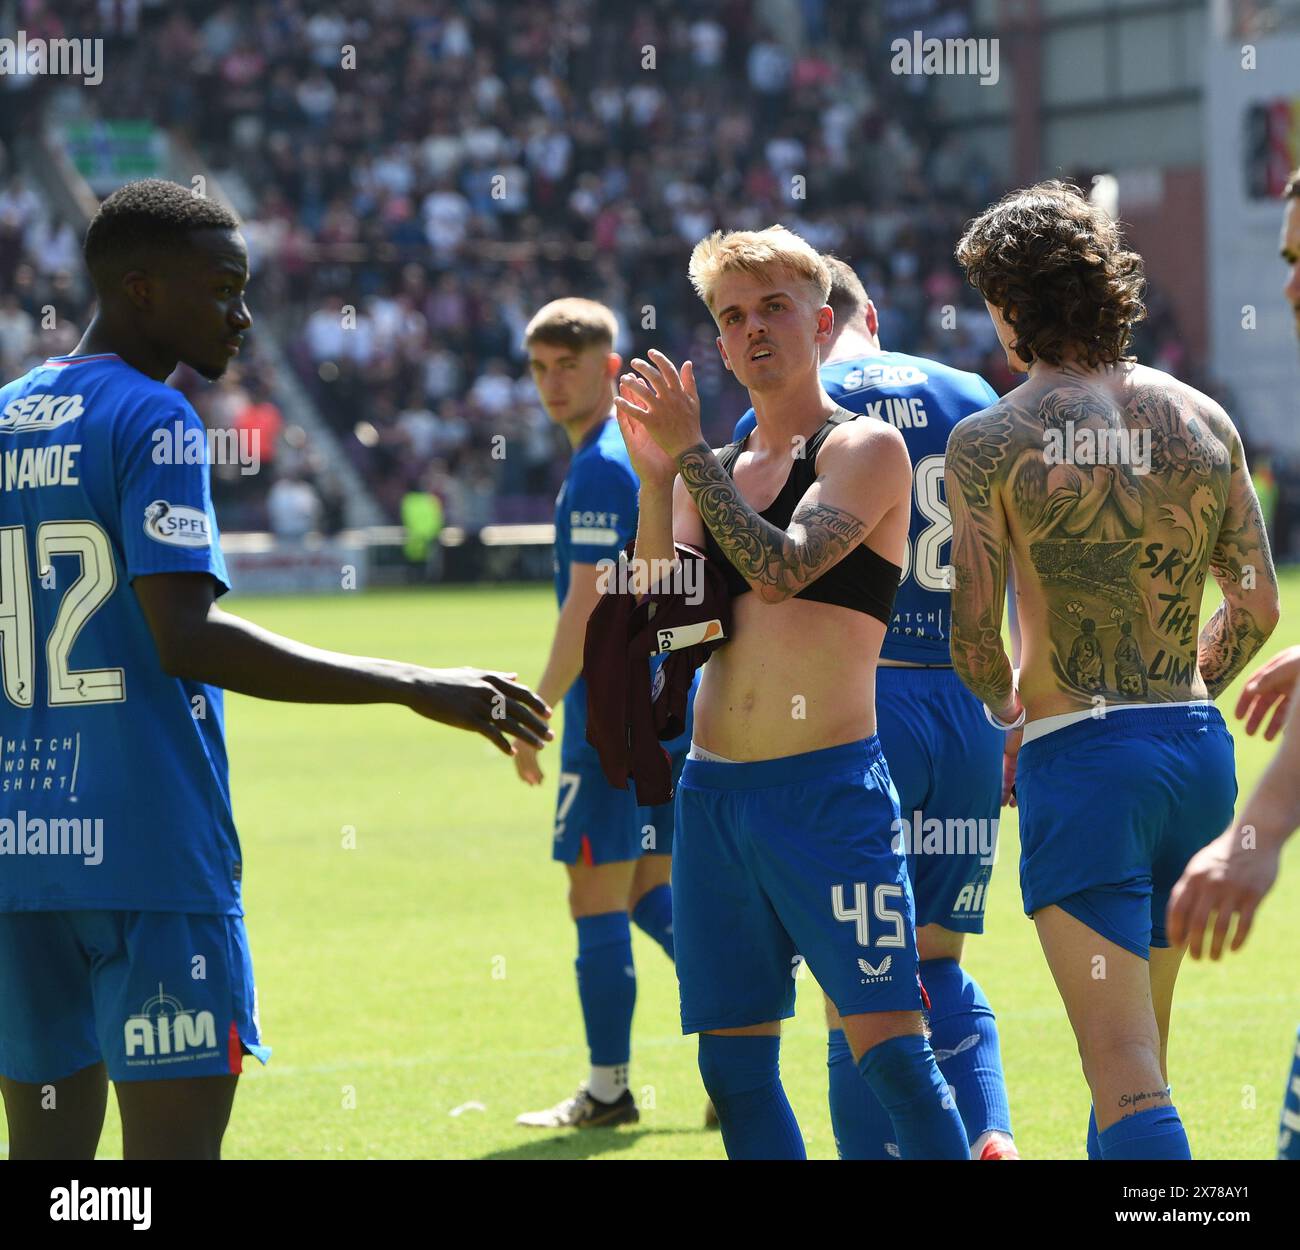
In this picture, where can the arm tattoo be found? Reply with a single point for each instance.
(1229, 639)
(1243, 546)
(979, 454)
(978, 655)
(777, 563)
(1241, 561)
(979, 561)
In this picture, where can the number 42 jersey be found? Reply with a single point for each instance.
(114, 787)
(923, 400)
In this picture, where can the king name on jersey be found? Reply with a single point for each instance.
(902, 414)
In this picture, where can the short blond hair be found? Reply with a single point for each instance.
(756, 252)
(573, 322)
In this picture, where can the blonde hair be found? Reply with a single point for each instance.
(573, 322)
(756, 252)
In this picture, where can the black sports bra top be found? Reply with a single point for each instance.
(863, 580)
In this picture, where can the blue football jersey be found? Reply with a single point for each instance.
(924, 400)
(595, 518)
(114, 790)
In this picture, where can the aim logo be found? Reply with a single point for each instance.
(164, 1028)
(970, 899)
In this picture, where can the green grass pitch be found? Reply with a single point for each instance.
(418, 990)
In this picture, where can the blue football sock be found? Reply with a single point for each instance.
(964, 1038)
(1094, 1146)
(606, 985)
(862, 1127)
(1288, 1138)
(902, 1073)
(742, 1076)
(1156, 1133)
(653, 914)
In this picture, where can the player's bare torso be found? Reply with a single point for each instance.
(1114, 486)
(798, 675)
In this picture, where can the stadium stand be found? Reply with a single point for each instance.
(506, 162)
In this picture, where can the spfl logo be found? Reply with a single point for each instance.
(163, 1031)
(176, 524)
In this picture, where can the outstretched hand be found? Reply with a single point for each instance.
(1270, 686)
(526, 765)
(1227, 878)
(490, 703)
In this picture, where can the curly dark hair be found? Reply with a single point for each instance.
(149, 216)
(1057, 268)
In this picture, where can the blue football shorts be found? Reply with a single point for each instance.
(785, 860)
(598, 824)
(1111, 810)
(155, 995)
(946, 763)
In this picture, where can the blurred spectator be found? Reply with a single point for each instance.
(333, 501)
(414, 207)
(260, 421)
(294, 509)
(54, 246)
(17, 334)
(422, 520)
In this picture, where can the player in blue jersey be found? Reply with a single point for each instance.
(618, 856)
(123, 952)
(944, 758)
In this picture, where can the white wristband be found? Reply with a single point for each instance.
(997, 724)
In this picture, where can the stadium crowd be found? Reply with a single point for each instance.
(426, 175)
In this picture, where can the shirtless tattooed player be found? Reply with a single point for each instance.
(1114, 490)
